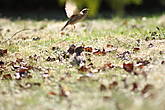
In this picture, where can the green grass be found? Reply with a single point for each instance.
(124, 34)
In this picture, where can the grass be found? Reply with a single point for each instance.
(69, 87)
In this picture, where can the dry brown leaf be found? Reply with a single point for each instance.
(83, 69)
(7, 77)
(128, 67)
(3, 52)
(113, 85)
(88, 49)
(99, 52)
(52, 93)
(146, 88)
(103, 87)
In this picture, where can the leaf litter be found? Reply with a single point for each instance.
(79, 61)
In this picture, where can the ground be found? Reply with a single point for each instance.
(102, 64)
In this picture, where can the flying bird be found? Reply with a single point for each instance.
(73, 13)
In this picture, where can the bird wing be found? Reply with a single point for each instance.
(71, 8)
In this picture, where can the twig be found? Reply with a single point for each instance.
(15, 34)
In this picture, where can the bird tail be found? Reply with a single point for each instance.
(64, 26)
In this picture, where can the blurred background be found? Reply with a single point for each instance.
(55, 8)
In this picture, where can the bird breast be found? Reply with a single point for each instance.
(76, 18)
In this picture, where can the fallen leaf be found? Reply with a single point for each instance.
(150, 45)
(36, 38)
(3, 93)
(99, 52)
(107, 98)
(83, 69)
(34, 57)
(108, 65)
(128, 67)
(1, 72)
(143, 63)
(136, 49)
(52, 93)
(3, 52)
(1, 64)
(109, 46)
(37, 84)
(153, 33)
(7, 77)
(102, 87)
(22, 71)
(19, 60)
(55, 48)
(79, 50)
(88, 49)
(162, 52)
(78, 60)
(50, 59)
(113, 85)
(71, 49)
(125, 55)
(29, 76)
(19, 76)
(147, 38)
(163, 62)
(146, 88)
(134, 86)
(7, 30)
(62, 33)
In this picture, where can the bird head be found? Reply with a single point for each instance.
(84, 11)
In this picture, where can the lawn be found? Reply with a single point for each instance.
(102, 64)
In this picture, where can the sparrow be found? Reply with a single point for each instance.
(73, 13)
